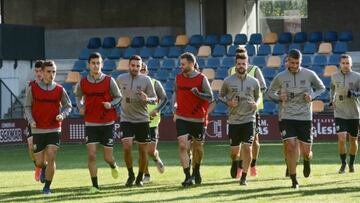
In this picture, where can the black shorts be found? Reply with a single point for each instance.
(139, 131)
(281, 127)
(100, 134)
(194, 129)
(350, 126)
(241, 133)
(41, 141)
(154, 134)
(297, 129)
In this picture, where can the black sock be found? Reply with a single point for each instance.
(253, 163)
(235, 163)
(197, 167)
(293, 178)
(94, 181)
(140, 176)
(243, 176)
(343, 159)
(147, 174)
(187, 172)
(112, 165)
(240, 164)
(47, 183)
(352, 160)
(131, 172)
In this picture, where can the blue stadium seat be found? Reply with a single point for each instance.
(334, 59)
(309, 48)
(115, 53)
(319, 70)
(94, 43)
(220, 109)
(201, 62)
(221, 73)
(330, 36)
(225, 40)
(137, 42)
(79, 66)
(152, 41)
(211, 40)
(168, 64)
(109, 65)
(115, 74)
(306, 61)
(167, 41)
(320, 60)
(169, 86)
(326, 81)
(315, 37)
(240, 39)
(255, 38)
(84, 73)
(259, 61)
(295, 46)
(196, 40)
(162, 75)
(285, 38)
(228, 62)
(109, 42)
(269, 108)
(153, 64)
(191, 49)
(104, 52)
(232, 50)
(269, 73)
(160, 52)
(129, 52)
(300, 37)
(346, 36)
(264, 50)
(146, 52)
(68, 87)
(219, 51)
(279, 49)
(340, 48)
(84, 55)
(175, 52)
(173, 73)
(324, 96)
(250, 49)
(213, 63)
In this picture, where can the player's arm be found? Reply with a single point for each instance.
(224, 90)
(356, 91)
(160, 92)
(78, 97)
(332, 91)
(173, 99)
(273, 91)
(66, 104)
(260, 77)
(257, 93)
(150, 96)
(317, 85)
(207, 93)
(28, 105)
(115, 93)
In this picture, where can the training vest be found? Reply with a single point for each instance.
(154, 121)
(188, 104)
(252, 72)
(46, 106)
(95, 94)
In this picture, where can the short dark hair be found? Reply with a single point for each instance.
(38, 63)
(135, 57)
(48, 63)
(144, 66)
(240, 50)
(346, 56)
(295, 54)
(95, 55)
(189, 57)
(241, 56)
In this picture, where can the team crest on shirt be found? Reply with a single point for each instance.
(351, 85)
(234, 89)
(287, 85)
(337, 128)
(302, 82)
(283, 133)
(110, 141)
(248, 89)
(34, 147)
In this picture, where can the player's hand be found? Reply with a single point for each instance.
(307, 97)
(332, 105)
(283, 97)
(82, 110)
(142, 96)
(107, 105)
(33, 124)
(253, 106)
(154, 113)
(59, 117)
(194, 90)
(232, 103)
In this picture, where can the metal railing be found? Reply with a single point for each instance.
(10, 103)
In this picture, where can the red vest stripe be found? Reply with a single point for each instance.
(95, 94)
(188, 104)
(46, 106)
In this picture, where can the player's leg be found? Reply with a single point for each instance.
(353, 138)
(92, 139)
(198, 137)
(127, 130)
(255, 147)
(292, 156)
(107, 141)
(341, 131)
(182, 130)
(234, 150)
(304, 132)
(142, 137)
(247, 133)
(50, 168)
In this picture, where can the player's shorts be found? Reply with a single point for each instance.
(241, 133)
(100, 134)
(195, 130)
(42, 140)
(350, 126)
(139, 131)
(297, 129)
(154, 134)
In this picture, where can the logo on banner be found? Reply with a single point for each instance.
(9, 133)
(77, 131)
(323, 126)
(214, 129)
(264, 127)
